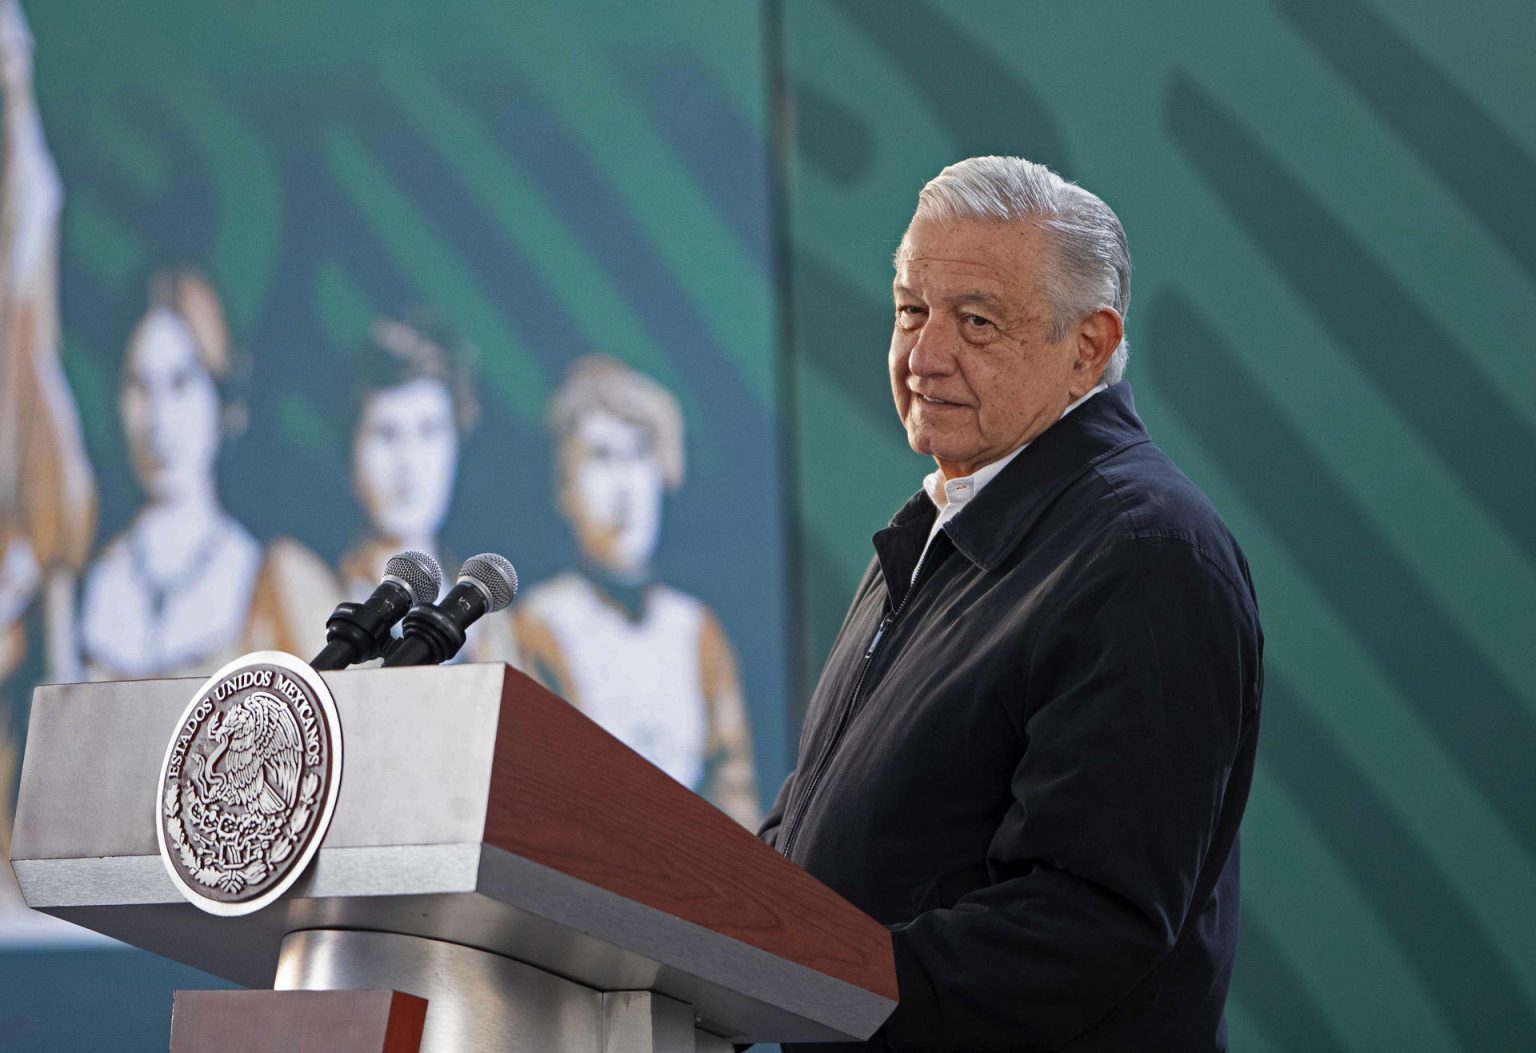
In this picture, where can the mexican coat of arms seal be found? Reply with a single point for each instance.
(249, 783)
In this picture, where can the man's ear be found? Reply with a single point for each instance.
(1097, 337)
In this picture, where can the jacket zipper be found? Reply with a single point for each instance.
(849, 709)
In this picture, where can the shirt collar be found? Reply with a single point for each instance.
(958, 492)
(961, 491)
(1021, 492)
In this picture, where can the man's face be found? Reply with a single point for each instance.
(404, 456)
(612, 491)
(973, 370)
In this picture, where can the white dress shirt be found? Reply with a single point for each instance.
(950, 497)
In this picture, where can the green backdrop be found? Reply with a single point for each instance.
(1329, 207)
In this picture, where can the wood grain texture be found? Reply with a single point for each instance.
(569, 796)
(297, 1022)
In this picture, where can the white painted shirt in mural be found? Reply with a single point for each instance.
(128, 621)
(639, 679)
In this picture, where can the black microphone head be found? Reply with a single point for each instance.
(418, 572)
(495, 576)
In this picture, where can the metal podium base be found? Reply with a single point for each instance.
(478, 1001)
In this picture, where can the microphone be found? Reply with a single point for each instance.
(358, 632)
(433, 635)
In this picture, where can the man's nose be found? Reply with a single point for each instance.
(933, 352)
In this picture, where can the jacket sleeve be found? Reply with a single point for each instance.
(768, 832)
(1135, 695)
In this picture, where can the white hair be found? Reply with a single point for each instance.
(1093, 261)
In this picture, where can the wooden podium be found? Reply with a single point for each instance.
(493, 851)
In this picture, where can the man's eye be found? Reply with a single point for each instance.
(908, 314)
(976, 321)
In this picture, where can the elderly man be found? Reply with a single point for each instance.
(1032, 743)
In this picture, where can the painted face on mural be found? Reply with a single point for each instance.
(974, 372)
(170, 409)
(612, 491)
(404, 456)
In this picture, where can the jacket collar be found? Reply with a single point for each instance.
(899, 545)
(1001, 515)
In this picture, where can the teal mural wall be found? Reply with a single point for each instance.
(549, 180)
(1329, 212)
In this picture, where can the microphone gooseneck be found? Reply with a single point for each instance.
(358, 632)
(434, 634)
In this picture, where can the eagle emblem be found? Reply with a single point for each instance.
(249, 782)
(256, 763)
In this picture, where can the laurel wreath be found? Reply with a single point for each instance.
(204, 866)
(297, 821)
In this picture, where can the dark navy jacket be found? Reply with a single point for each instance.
(1035, 778)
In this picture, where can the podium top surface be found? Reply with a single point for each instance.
(474, 807)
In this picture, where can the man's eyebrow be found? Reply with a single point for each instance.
(975, 296)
